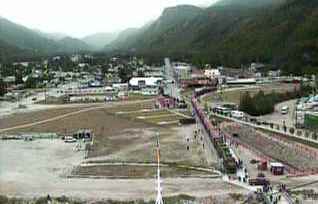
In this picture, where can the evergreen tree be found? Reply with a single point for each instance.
(246, 103)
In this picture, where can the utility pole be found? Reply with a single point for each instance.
(159, 199)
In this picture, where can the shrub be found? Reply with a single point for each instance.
(299, 133)
(307, 134)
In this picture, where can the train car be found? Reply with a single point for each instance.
(223, 151)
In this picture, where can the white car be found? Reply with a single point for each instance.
(284, 110)
(237, 114)
(70, 140)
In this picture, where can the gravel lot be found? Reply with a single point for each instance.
(138, 145)
(36, 168)
(31, 169)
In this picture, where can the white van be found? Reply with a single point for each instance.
(237, 114)
(284, 110)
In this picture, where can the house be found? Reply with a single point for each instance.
(82, 65)
(120, 86)
(9, 79)
(274, 73)
(139, 83)
(24, 64)
(256, 66)
(75, 58)
(95, 83)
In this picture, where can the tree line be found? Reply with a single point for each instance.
(262, 104)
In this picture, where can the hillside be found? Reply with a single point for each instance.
(9, 52)
(69, 44)
(284, 33)
(23, 38)
(99, 40)
(52, 36)
(249, 3)
(125, 39)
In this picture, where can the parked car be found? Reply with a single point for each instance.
(284, 110)
(69, 140)
(237, 114)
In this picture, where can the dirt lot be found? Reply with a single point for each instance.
(23, 118)
(98, 120)
(118, 138)
(31, 169)
(138, 145)
(121, 137)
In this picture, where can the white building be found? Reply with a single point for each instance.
(9, 79)
(138, 83)
(120, 86)
(75, 58)
(212, 73)
(182, 70)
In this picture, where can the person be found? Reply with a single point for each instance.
(48, 199)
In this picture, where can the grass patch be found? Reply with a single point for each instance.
(128, 171)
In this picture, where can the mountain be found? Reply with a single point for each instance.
(180, 27)
(249, 3)
(124, 37)
(10, 52)
(71, 45)
(24, 38)
(170, 20)
(283, 33)
(52, 36)
(99, 40)
(29, 41)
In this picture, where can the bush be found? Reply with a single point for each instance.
(307, 134)
(299, 133)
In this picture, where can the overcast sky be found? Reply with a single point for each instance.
(79, 18)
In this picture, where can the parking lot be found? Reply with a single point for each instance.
(278, 118)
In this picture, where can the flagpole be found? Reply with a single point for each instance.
(159, 193)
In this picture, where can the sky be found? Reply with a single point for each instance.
(79, 18)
